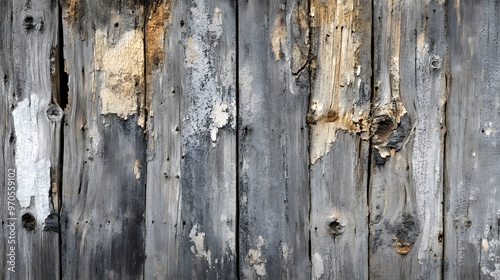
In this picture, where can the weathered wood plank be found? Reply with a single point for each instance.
(406, 194)
(30, 128)
(104, 172)
(191, 193)
(273, 44)
(472, 246)
(339, 115)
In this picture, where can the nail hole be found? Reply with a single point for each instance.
(28, 221)
(117, 24)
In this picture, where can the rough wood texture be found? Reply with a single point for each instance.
(472, 246)
(338, 116)
(30, 129)
(273, 139)
(191, 193)
(104, 171)
(408, 139)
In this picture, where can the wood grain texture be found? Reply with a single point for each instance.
(31, 120)
(406, 194)
(191, 194)
(104, 171)
(273, 139)
(472, 247)
(338, 115)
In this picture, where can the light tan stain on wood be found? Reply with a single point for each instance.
(278, 36)
(120, 63)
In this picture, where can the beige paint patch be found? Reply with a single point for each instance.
(278, 36)
(137, 171)
(198, 247)
(121, 63)
(256, 259)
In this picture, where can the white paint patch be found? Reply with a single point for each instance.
(122, 64)
(198, 248)
(318, 266)
(485, 245)
(256, 259)
(137, 171)
(32, 160)
(489, 129)
(220, 118)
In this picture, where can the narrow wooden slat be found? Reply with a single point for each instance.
(30, 126)
(406, 196)
(338, 116)
(273, 48)
(191, 193)
(104, 172)
(472, 246)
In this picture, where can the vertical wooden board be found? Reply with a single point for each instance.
(104, 173)
(30, 132)
(273, 65)
(472, 205)
(338, 116)
(191, 194)
(410, 85)
(7, 148)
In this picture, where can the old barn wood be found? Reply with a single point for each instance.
(300, 139)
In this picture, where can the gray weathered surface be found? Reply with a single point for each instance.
(30, 126)
(406, 190)
(104, 169)
(338, 116)
(472, 246)
(191, 193)
(273, 139)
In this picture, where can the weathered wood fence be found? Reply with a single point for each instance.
(203, 139)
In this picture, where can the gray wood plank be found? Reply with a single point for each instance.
(339, 113)
(191, 193)
(104, 172)
(30, 125)
(273, 50)
(472, 247)
(406, 212)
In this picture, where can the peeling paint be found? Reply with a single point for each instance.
(318, 266)
(207, 85)
(121, 64)
(198, 247)
(32, 160)
(220, 118)
(256, 259)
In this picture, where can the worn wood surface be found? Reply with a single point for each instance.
(408, 126)
(31, 130)
(338, 115)
(207, 139)
(472, 206)
(104, 168)
(191, 193)
(273, 139)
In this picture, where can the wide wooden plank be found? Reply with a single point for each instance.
(30, 125)
(339, 116)
(406, 212)
(104, 171)
(273, 52)
(472, 246)
(191, 193)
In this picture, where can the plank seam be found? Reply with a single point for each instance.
(370, 145)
